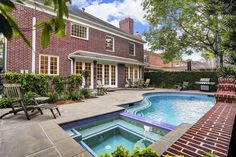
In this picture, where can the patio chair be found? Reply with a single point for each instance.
(101, 89)
(14, 94)
(15, 98)
(146, 83)
(184, 86)
(128, 83)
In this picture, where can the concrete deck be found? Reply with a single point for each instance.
(41, 136)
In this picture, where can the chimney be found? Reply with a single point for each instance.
(127, 25)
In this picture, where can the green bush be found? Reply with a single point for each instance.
(75, 80)
(30, 82)
(75, 94)
(53, 96)
(3, 102)
(58, 82)
(86, 92)
(122, 152)
(28, 97)
(170, 79)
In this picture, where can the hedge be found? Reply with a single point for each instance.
(170, 79)
(42, 84)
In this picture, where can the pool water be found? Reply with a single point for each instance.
(173, 108)
(107, 142)
(104, 135)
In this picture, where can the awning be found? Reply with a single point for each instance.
(103, 57)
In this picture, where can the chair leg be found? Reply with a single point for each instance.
(58, 111)
(40, 110)
(53, 113)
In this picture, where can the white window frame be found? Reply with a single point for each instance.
(134, 49)
(87, 33)
(49, 61)
(113, 48)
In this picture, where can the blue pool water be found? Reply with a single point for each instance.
(173, 108)
(105, 134)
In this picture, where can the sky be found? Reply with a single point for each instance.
(113, 11)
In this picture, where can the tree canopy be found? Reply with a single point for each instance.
(183, 27)
(9, 27)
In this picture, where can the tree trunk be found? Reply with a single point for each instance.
(219, 60)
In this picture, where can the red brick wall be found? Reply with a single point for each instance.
(19, 55)
(155, 60)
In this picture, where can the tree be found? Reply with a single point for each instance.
(9, 27)
(187, 26)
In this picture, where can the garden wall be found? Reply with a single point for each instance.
(170, 79)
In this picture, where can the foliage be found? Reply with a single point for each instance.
(28, 97)
(208, 154)
(58, 82)
(9, 26)
(3, 102)
(75, 80)
(170, 79)
(75, 94)
(86, 92)
(121, 152)
(178, 27)
(53, 96)
(229, 70)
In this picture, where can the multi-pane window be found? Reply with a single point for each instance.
(99, 72)
(135, 73)
(146, 59)
(49, 65)
(79, 31)
(44, 64)
(88, 68)
(106, 74)
(53, 65)
(132, 49)
(113, 75)
(126, 73)
(78, 67)
(109, 43)
(131, 73)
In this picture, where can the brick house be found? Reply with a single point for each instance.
(154, 62)
(111, 54)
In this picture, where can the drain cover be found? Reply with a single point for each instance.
(107, 147)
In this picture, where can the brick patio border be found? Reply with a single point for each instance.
(212, 133)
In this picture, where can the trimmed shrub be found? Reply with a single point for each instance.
(74, 94)
(170, 79)
(53, 96)
(58, 83)
(86, 92)
(75, 80)
(3, 102)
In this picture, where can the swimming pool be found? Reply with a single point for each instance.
(173, 108)
(100, 135)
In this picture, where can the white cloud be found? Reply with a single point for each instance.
(195, 57)
(115, 11)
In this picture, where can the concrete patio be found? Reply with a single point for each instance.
(41, 136)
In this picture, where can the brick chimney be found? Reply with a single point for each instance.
(127, 25)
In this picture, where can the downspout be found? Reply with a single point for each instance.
(5, 55)
(71, 65)
(33, 44)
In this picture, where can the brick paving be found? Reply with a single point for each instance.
(212, 133)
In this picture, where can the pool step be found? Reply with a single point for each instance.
(140, 143)
(143, 105)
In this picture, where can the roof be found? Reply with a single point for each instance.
(84, 15)
(104, 57)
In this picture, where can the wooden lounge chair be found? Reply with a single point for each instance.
(14, 94)
(184, 86)
(100, 88)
